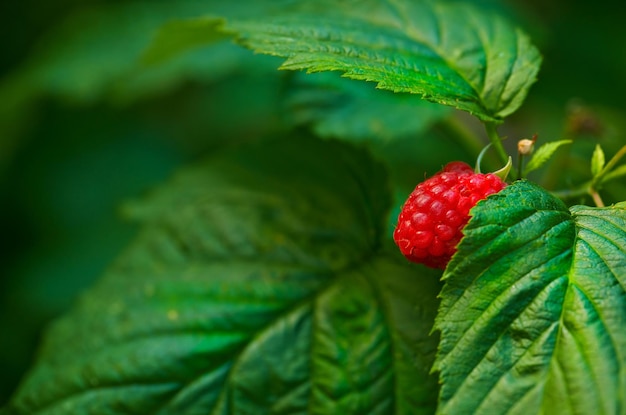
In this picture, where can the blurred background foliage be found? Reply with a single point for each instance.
(68, 160)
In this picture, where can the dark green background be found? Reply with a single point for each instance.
(72, 167)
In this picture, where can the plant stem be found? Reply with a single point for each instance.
(570, 194)
(596, 198)
(496, 141)
(592, 186)
(586, 189)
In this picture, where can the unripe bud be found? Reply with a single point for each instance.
(525, 146)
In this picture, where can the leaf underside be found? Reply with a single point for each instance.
(532, 312)
(448, 53)
(337, 107)
(258, 285)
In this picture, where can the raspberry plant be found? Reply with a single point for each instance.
(264, 279)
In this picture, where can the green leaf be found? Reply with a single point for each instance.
(448, 53)
(543, 154)
(597, 161)
(532, 311)
(260, 284)
(347, 109)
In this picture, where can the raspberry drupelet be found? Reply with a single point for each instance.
(432, 219)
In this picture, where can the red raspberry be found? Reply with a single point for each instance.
(432, 219)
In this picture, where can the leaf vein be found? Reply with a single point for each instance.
(580, 348)
(599, 254)
(385, 311)
(507, 254)
(513, 364)
(614, 347)
(509, 76)
(548, 286)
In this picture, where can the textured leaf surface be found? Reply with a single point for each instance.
(449, 53)
(342, 108)
(258, 285)
(532, 313)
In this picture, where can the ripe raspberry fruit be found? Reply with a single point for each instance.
(432, 219)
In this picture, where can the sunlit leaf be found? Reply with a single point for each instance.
(597, 160)
(448, 53)
(543, 154)
(533, 307)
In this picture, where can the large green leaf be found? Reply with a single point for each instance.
(449, 53)
(260, 284)
(532, 313)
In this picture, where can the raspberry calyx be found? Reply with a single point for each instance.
(432, 219)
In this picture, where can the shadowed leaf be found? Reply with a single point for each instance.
(260, 284)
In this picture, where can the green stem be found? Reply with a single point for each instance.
(580, 191)
(591, 187)
(596, 198)
(495, 139)
(586, 189)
